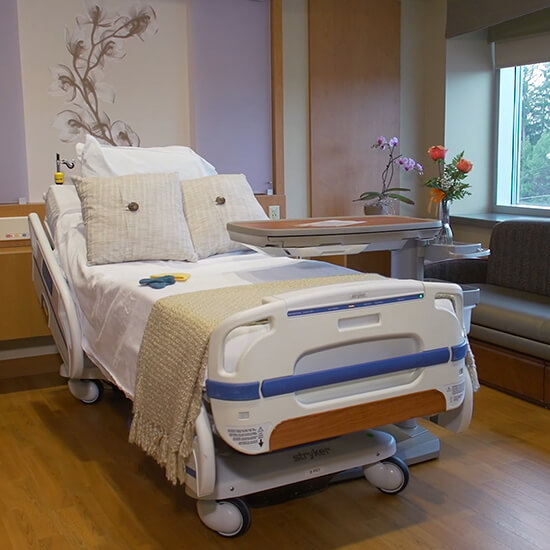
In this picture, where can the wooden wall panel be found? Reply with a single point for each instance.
(277, 97)
(21, 315)
(273, 200)
(354, 79)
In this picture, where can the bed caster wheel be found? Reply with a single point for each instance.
(389, 476)
(229, 518)
(87, 391)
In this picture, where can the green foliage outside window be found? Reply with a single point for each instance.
(534, 187)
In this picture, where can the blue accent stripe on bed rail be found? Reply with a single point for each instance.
(298, 382)
(250, 391)
(459, 351)
(233, 392)
(354, 305)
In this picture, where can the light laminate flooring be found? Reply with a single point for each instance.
(70, 480)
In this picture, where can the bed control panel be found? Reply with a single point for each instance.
(14, 229)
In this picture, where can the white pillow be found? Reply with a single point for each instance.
(137, 217)
(210, 203)
(106, 161)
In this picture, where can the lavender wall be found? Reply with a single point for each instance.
(13, 162)
(231, 86)
(229, 103)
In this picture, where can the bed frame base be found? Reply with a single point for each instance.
(414, 444)
(238, 474)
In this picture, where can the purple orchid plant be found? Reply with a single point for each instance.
(395, 161)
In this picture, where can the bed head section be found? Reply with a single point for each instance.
(168, 200)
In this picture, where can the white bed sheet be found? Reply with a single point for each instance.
(114, 308)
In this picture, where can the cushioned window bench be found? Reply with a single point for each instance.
(510, 331)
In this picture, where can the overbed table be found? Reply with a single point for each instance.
(405, 237)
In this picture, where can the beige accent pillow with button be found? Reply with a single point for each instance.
(210, 203)
(134, 217)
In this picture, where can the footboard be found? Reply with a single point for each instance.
(332, 360)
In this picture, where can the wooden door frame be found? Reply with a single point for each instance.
(277, 97)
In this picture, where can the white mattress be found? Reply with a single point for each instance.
(114, 308)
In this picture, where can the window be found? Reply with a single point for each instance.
(523, 167)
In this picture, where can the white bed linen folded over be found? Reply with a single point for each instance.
(114, 308)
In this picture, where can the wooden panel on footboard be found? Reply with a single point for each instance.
(316, 427)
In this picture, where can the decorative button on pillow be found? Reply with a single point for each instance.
(136, 217)
(210, 203)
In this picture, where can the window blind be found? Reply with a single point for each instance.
(464, 16)
(522, 51)
(522, 41)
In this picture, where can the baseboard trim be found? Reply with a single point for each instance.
(23, 353)
(29, 366)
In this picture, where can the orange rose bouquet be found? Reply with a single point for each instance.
(449, 185)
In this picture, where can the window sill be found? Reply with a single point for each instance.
(489, 220)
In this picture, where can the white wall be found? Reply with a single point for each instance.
(422, 92)
(155, 69)
(447, 92)
(469, 233)
(469, 125)
(296, 107)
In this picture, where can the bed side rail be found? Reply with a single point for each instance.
(55, 297)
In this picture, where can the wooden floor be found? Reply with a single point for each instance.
(69, 480)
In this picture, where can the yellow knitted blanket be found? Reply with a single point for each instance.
(173, 359)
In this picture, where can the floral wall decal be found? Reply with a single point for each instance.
(98, 37)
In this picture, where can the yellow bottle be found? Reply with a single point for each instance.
(59, 176)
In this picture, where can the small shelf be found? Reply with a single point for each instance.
(439, 252)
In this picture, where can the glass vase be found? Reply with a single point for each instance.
(384, 206)
(445, 235)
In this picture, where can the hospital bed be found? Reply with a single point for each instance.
(294, 387)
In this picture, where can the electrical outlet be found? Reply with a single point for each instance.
(274, 212)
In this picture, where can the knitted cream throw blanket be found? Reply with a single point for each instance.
(173, 359)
